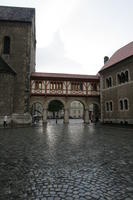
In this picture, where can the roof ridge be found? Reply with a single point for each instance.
(64, 73)
(119, 55)
(4, 6)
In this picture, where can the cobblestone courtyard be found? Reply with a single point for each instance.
(74, 161)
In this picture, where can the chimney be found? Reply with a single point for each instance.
(106, 58)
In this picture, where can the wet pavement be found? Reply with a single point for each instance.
(74, 161)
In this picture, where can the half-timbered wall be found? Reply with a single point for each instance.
(52, 87)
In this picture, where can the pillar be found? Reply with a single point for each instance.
(86, 116)
(45, 116)
(66, 116)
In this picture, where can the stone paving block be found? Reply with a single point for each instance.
(47, 164)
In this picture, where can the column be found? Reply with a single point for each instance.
(45, 116)
(86, 116)
(66, 116)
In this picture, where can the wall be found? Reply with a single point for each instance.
(117, 92)
(6, 93)
(21, 59)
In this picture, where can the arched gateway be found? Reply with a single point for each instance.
(66, 88)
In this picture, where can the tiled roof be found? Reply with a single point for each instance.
(64, 76)
(119, 55)
(5, 68)
(16, 14)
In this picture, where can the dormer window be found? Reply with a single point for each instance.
(6, 46)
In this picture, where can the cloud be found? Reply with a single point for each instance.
(53, 58)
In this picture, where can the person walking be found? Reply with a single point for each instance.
(5, 121)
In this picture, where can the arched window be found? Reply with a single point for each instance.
(111, 105)
(126, 76)
(107, 106)
(6, 47)
(126, 104)
(110, 82)
(121, 105)
(107, 82)
(119, 78)
(122, 77)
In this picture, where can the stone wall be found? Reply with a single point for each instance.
(19, 58)
(117, 92)
(6, 93)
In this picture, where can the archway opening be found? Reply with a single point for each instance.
(94, 113)
(76, 112)
(55, 110)
(37, 112)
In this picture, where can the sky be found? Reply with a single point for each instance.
(73, 36)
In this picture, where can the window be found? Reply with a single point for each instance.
(126, 104)
(6, 47)
(110, 105)
(109, 82)
(59, 85)
(94, 87)
(81, 86)
(38, 85)
(119, 78)
(123, 77)
(76, 86)
(107, 106)
(121, 104)
(126, 76)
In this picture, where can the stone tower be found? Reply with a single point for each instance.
(17, 61)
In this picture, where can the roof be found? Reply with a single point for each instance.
(119, 55)
(20, 14)
(5, 68)
(63, 76)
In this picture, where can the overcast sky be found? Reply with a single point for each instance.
(73, 36)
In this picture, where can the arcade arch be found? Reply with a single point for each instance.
(36, 111)
(55, 109)
(90, 107)
(76, 110)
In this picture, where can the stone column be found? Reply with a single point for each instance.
(86, 116)
(66, 116)
(45, 116)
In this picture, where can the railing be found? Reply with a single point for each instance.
(64, 92)
(66, 88)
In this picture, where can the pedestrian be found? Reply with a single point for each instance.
(5, 121)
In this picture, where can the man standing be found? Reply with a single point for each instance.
(5, 121)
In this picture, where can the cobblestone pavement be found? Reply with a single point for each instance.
(74, 161)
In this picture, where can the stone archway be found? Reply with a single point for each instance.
(46, 106)
(55, 110)
(36, 111)
(84, 104)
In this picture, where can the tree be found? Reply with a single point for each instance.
(55, 106)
